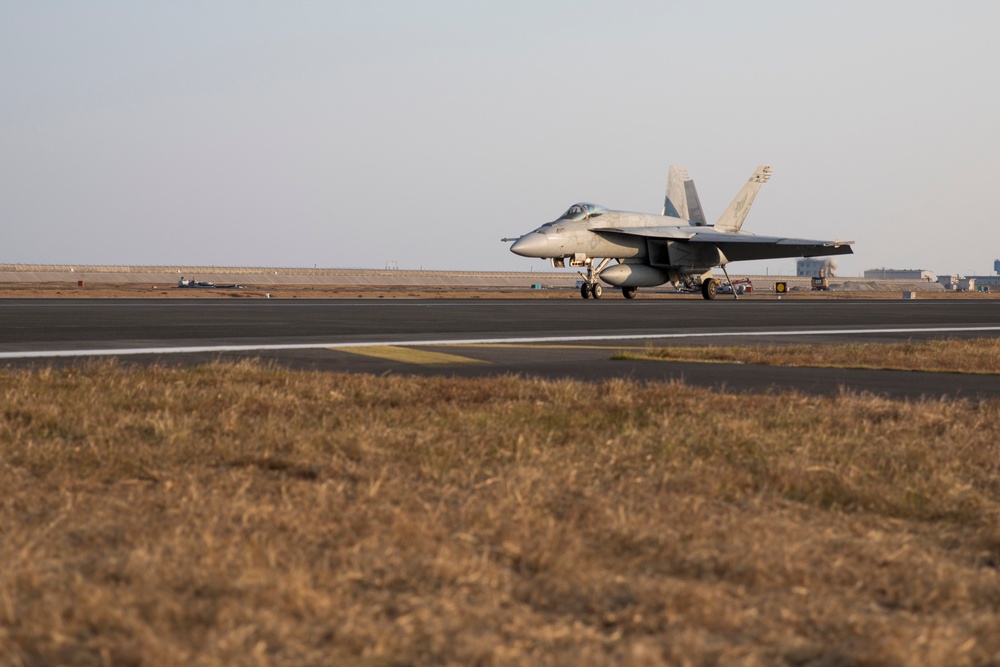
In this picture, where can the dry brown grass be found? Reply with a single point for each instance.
(244, 514)
(979, 355)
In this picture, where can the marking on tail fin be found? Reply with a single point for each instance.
(734, 216)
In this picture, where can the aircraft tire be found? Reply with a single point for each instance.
(709, 288)
(585, 291)
(597, 290)
(630, 292)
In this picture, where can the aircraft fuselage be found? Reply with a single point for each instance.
(676, 246)
(568, 238)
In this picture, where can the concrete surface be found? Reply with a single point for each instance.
(313, 334)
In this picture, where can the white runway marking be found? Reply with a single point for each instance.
(193, 349)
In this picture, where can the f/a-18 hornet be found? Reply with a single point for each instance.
(678, 246)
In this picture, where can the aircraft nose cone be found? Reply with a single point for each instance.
(533, 244)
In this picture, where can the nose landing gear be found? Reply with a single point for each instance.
(590, 286)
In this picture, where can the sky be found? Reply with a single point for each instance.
(417, 135)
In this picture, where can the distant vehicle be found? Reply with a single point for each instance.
(192, 284)
(741, 285)
(678, 246)
(820, 283)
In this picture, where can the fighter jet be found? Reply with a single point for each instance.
(677, 246)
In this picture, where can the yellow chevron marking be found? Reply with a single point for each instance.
(409, 356)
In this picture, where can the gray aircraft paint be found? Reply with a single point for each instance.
(675, 246)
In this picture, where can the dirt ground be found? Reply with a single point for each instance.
(147, 290)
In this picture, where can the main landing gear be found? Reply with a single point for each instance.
(710, 286)
(630, 292)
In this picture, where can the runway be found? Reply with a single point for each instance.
(549, 338)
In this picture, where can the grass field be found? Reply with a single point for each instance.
(977, 355)
(246, 514)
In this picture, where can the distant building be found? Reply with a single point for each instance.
(950, 283)
(996, 266)
(970, 283)
(992, 281)
(922, 275)
(809, 267)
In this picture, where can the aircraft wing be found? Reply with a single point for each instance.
(740, 246)
(737, 247)
(670, 233)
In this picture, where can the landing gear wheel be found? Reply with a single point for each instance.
(597, 291)
(630, 292)
(709, 288)
(585, 291)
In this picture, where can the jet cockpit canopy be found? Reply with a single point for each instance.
(583, 210)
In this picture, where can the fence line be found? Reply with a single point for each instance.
(252, 270)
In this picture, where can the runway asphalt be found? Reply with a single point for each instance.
(550, 338)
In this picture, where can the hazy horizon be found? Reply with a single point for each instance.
(360, 135)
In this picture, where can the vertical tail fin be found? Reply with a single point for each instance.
(682, 198)
(733, 217)
(675, 203)
(695, 212)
